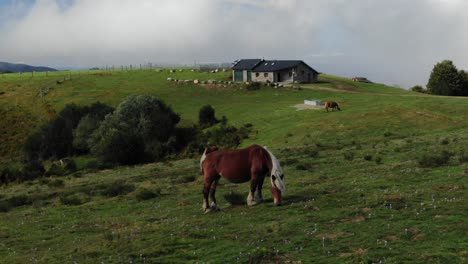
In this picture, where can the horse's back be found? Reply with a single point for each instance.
(235, 165)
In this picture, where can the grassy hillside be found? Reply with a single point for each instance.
(363, 184)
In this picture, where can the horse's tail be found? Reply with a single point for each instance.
(202, 159)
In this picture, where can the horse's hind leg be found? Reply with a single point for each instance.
(214, 205)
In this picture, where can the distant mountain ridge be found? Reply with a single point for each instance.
(13, 67)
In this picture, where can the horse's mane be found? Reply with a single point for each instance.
(202, 159)
(276, 171)
(208, 150)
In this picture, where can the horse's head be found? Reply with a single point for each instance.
(277, 188)
(277, 178)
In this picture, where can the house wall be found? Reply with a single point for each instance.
(261, 77)
(284, 76)
(302, 75)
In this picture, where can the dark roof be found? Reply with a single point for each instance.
(278, 65)
(258, 65)
(248, 64)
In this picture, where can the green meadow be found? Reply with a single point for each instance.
(382, 181)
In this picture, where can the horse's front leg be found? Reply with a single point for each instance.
(251, 198)
(214, 205)
(259, 195)
(206, 191)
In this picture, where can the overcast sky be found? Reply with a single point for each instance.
(393, 42)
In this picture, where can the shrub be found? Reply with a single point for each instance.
(253, 86)
(5, 206)
(304, 166)
(32, 169)
(73, 199)
(206, 116)
(56, 183)
(18, 173)
(55, 139)
(348, 155)
(290, 161)
(118, 188)
(61, 168)
(431, 160)
(418, 88)
(444, 141)
(226, 136)
(9, 174)
(185, 179)
(378, 160)
(368, 157)
(145, 194)
(20, 200)
(462, 157)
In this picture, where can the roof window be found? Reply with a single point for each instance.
(266, 63)
(272, 63)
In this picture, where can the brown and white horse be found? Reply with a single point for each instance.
(252, 163)
(332, 105)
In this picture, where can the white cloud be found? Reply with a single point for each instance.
(387, 41)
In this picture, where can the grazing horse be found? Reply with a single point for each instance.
(332, 105)
(252, 163)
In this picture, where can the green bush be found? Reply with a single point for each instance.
(73, 198)
(55, 139)
(5, 206)
(304, 166)
(253, 86)
(118, 188)
(206, 116)
(146, 194)
(378, 160)
(20, 200)
(430, 160)
(31, 170)
(56, 183)
(348, 155)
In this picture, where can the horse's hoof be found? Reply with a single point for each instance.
(215, 207)
(208, 210)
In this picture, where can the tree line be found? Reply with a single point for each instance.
(141, 129)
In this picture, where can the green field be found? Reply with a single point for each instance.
(362, 183)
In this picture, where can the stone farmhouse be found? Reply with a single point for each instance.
(258, 70)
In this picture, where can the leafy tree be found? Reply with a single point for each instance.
(141, 129)
(206, 116)
(55, 139)
(445, 79)
(464, 75)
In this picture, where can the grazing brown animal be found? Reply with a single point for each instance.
(252, 163)
(332, 105)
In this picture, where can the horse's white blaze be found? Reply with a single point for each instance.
(277, 172)
(203, 157)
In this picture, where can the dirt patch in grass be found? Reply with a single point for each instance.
(356, 219)
(307, 107)
(334, 235)
(392, 238)
(357, 252)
